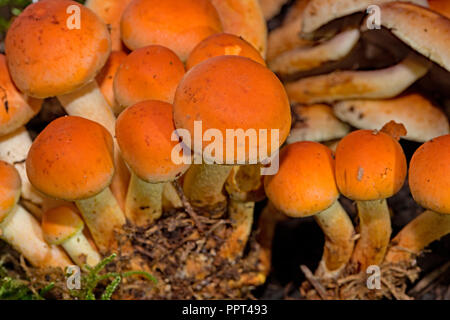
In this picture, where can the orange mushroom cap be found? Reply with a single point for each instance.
(440, 6)
(304, 184)
(10, 185)
(144, 135)
(60, 224)
(16, 109)
(178, 25)
(429, 175)
(223, 44)
(105, 78)
(48, 55)
(149, 73)
(231, 93)
(370, 165)
(71, 159)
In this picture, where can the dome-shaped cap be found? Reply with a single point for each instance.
(370, 165)
(60, 224)
(304, 184)
(178, 25)
(144, 135)
(16, 109)
(10, 185)
(49, 54)
(231, 93)
(223, 44)
(429, 175)
(149, 73)
(71, 159)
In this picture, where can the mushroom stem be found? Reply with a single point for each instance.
(339, 239)
(171, 199)
(21, 230)
(88, 102)
(241, 215)
(81, 251)
(14, 148)
(418, 234)
(375, 231)
(144, 201)
(103, 216)
(203, 185)
(267, 223)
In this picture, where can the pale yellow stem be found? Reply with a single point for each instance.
(81, 251)
(144, 201)
(417, 235)
(375, 232)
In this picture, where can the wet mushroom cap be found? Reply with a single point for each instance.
(149, 73)
(16, 109)
(178, 25)
(10, 185)
(429, 175)
(370, 165)
(71, 159)
(223, 44)
(231, 92)
(60, 224)
(47, 56)
(144, 135)
(304, 184)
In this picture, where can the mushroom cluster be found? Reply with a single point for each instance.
(161, 99)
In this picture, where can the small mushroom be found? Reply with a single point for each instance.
(244, 19)
(306, 58)
(110, 11)
(223, 44)
(423, 120)
(305, 186)
(144, 134)
(20, 229)
(105, 79)
(72, 159)
(228, 93)
(429, 181)
(148, 73)
(62, 226)
(316, 122)
(370, 167)
(374, 84)
(177, 25)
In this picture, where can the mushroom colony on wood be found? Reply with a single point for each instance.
(188, 134)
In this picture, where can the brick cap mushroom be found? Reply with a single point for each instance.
(304, 186)
(46, 58)
(423, 30)
(229, 92)
(144, 134)
(148, 73)
(177, 25)
(63, 226)
(72, 159)
(223, 44)
(370, 167)
(19, 228)
(423, 120)
(429, 181)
